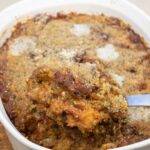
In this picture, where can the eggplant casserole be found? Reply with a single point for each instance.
(63, 80)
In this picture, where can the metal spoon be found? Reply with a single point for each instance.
(138, 100)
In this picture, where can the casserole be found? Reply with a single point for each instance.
(114, 8)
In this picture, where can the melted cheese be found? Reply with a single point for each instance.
(107, 53)
(80, 29)
(118, 78)
(22, 45)
(67, 54)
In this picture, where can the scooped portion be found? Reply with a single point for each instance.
(76, 98)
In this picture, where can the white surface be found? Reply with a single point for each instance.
(119, 8)
(5, 3)
(143, 4)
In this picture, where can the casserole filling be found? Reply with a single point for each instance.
(63, 80)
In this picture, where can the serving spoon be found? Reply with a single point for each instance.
(135, 100)
(138, 100)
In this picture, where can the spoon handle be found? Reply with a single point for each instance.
(138, 100)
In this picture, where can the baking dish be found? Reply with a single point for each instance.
(123, 9)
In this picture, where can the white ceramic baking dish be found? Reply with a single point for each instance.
(123, 9)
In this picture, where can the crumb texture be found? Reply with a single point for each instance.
(63, 81)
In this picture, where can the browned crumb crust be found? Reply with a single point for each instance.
(58, 107)
(73, 102)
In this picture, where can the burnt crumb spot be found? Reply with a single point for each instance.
(142, 86)
(132, 70)
(46, 105)
(20, 28)
(6, 96)
(61, 15)
(34, 101)
(43, 118)
(5, 46)
(69, 81)
(33, 110)
(122, 45)
(128, 130)
(135, 38)
(3, 62)
(39, 81)
(64, 117)
(101, 34)
(73, 112)
(80, 57)
(104, 36)
(32, 55)
(82, 88)
(58, 77)
(73, 85)
(2, 87)
(91, 140)
(114, 22)
(9, 106)
(88, 59)
(30, 124)
(41, 75)
(55, 126)
(147, 56)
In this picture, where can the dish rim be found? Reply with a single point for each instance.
(4, 119)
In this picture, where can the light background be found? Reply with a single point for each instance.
(144, 4)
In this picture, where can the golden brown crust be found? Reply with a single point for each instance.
(44, 66)
(77, 98)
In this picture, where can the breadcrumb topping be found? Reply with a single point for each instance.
(64, 78)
